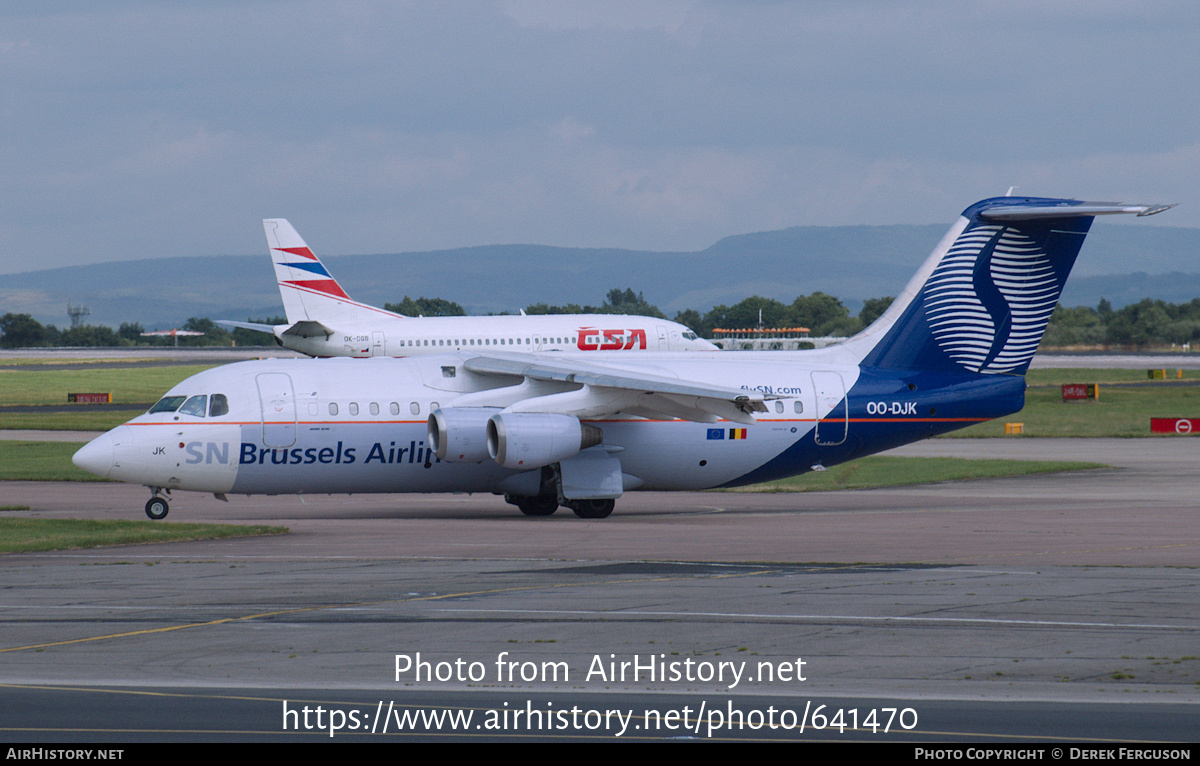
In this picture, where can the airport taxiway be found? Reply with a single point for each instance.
(1053, 591)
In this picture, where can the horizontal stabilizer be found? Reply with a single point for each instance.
(267, 328)
(1069, 209)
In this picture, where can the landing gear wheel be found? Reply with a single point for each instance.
(592, 509)
(157, 508)
(538, 506)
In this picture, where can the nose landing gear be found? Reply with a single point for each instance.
(157, 506)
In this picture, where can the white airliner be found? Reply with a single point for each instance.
(546, 430)
(323, 321)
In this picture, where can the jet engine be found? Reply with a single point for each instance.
(534, 439)
(459, 434)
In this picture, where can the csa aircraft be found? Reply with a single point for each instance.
(546, 430)
(322, 320)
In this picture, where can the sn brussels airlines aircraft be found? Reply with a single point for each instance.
(324, 321)
(545, 430)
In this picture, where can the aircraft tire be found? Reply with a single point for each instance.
(157, 508)
(593, 509)
(538, 506)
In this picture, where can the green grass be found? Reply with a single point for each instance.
(21, 361)
(23, 535)
(128, 385)
(879, 471)
(66, 421)
(131, 384)
(1056, 376)
(1120, 411)
(40, 461)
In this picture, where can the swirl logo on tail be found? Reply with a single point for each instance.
(990, 298)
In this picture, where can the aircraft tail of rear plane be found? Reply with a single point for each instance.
(981, 301)
(310, 293)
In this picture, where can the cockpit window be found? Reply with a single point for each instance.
(689, 335)
(218, 406)
(168, 404)
(195, 406)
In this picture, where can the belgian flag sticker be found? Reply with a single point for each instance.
(737, 433)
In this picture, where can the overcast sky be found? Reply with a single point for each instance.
(148, 129)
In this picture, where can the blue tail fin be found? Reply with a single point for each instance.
(981, 301)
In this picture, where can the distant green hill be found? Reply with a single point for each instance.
(1121, 262)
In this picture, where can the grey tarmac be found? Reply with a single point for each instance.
(1055, 605)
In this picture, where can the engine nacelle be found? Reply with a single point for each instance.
(459, 434)
(534, 439)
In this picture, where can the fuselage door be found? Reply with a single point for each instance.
(377, 347)
(830, 390)
(278, 409)
(664, 344)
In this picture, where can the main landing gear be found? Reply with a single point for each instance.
(546, 506)
(536, 506)
(546, 502)
(592, 509)
(157, 506)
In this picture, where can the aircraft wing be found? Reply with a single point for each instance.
(591, 389)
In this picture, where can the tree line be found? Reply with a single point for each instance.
(23, 331)
(822, 314)
(1138, 325)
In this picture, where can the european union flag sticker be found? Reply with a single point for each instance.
(716, 433)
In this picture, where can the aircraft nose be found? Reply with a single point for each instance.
(97, 456)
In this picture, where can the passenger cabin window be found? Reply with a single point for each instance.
(394, 408)
(798, 406)
(168, 404)
(353, 408)
(195, 406)
(333, 408)
(414, 408)
(779, 407)
(374, 408)
(219, 406)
